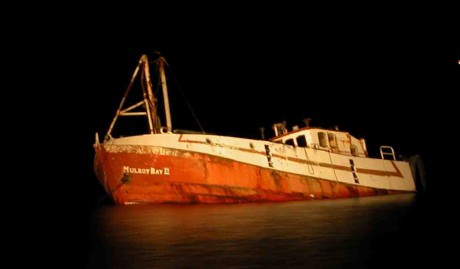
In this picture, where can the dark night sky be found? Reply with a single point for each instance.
(388, 76)
(385, 77)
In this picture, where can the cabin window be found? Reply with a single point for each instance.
(332, 140)
(301, 141)
(289, 142)
(322, 139)
(354, 150)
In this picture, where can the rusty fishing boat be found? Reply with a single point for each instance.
(172, 166)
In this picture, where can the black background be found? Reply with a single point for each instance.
(389, 75)
(388, 78)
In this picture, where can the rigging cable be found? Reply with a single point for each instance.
(333, 169)
(309, 163)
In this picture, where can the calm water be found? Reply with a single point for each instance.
(349, 233)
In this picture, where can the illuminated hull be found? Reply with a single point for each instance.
(172, 168)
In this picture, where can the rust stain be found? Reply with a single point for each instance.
(197, 177)
(322, 164)
(197, 193)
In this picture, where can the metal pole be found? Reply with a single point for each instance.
(151, 98)
(161, 62)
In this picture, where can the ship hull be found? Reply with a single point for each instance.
(137, 174)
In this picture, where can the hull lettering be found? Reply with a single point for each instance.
(146, 171)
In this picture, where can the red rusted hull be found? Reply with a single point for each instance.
(187, 177)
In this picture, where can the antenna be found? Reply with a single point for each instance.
(307, 122)
(262, 130)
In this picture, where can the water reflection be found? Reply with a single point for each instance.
(314, 234)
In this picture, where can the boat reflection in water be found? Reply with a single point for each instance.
(340, 233)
